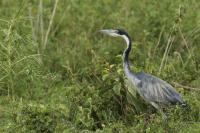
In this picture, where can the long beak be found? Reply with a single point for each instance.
(108, 32)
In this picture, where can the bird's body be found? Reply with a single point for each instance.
(151, 88)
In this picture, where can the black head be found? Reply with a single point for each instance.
(121, 32)
(115, 32)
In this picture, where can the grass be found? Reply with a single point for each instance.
(59, 75)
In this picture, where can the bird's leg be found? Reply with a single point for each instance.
(159, 109)
(164, 117)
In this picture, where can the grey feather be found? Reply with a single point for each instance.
(154, 89)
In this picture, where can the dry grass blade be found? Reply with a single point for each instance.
(26, 57)
(169, 43)
(50, 24)
(185, 87)
(186, 44)
(159, 38)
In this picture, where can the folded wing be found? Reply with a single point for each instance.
(153, 89)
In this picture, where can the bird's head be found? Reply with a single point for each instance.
(117, 33)
(114, 32)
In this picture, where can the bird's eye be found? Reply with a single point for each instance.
(118, 32)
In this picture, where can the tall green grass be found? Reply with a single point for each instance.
(57, 74)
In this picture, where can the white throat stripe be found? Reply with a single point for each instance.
(126, 39)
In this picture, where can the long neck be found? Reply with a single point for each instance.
(126, 54)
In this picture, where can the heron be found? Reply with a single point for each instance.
(152, 89)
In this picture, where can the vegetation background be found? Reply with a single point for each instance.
(58, 74)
